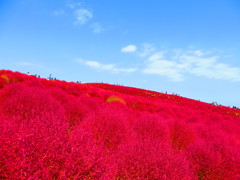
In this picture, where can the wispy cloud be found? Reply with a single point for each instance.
(146, 50)
(97, 27)
(82, 16)
(210, 67)
(177, 65)
(129, 49)
(156, 56)
(164, 68)
(106, 67)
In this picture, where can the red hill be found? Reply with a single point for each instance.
(51, 129)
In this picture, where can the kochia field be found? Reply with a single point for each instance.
(51, 129)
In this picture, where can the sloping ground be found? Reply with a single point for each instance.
(52, 129)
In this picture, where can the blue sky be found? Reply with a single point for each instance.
(187, 47)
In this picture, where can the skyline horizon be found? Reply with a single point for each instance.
(162, 91)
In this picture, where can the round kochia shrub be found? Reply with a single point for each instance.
(108, 125)
(84, 158)
(28, 102)
(33, 148)
(214, 158)
(60, 95)
(78, 108)
(180, 135)
(147, 159)
(149, 126)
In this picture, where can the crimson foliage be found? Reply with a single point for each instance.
(51, 129)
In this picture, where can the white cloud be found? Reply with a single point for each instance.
(82, 16)
(164, 68)
(97, 27)
(146, 50)
(106, 67)
(218, 71)
(129, 49)
(156, 56)
(198, 53)
(177, 65)
(98, 65)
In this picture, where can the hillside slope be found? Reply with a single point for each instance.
(51, 129)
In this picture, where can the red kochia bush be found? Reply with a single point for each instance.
(32, 148)
(180, 135)
(147, 159)
(51, 129)
(109, 125)
(150, 126)
(214, 159)
(78, 108)
(61, 96)
(25, 102)
(84, 159)
(3, 81)
(32, 142)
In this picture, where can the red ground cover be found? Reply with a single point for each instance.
(51, 129)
